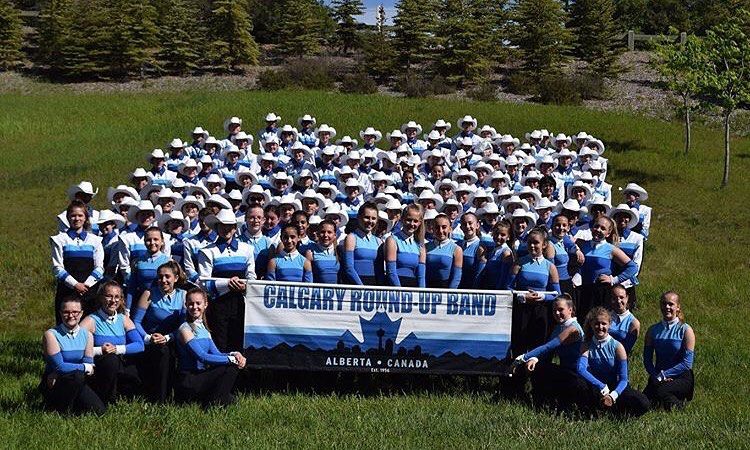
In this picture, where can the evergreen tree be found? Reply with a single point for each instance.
(55, 28)
(134, 37)
(541, 35)
(11, 36)
(597, 37)
(299, 28)
(180, 43)
(344, 12)
(415, 25)
(379, 55)
(232, 42)
(89, 50)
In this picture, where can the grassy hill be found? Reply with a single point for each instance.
(699, 247)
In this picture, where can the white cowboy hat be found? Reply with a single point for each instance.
(526, 190)
(242, 136)
(300, 146)
(544, 203)
(596, 144)
(380, 176)
(582, 136)
(335, 210)
(352, 183)
(278, 176)
(489, 208)
(503, 194)
(211, 141)
(287, 129)
(370, 131)
(106, 215)
(140, 172)
(521, 213)
(429, 195)
(433, 135)
(173, 215)
(205, 160)
(393, 192)
(200, 130)
(121, 189)
(304, 173)
(256, 190)
(289, 199)
(190, 163)
(346, 170)
(234, 194)
(622, 208)
(310, 194)
(593, 164)
(481, 165)
(536, 134)
(245, 172)
(148, 190)
(500, 175)
(492, 131)
(563, 153)
(231, 148)
(219, 200)
(451, 202)
(465, 173)
(393, 204)
(325, 129)
(411, 124)
(512, 160)
(167, 193)
(560, 137)
(440, 123)
(531, 175)
(463, 187)
(215, 178)
(306, 118)
(198, 187)
(190, 200)
(156, 153)
(578, 184)
(395, 134)
(272, 117)
(231, 121)
(329, 150)
(430, 214)
(466, 119)
(347, 140)
(178, 183)
(176, 143)
(446, 181)
(382, 215)
(328, 186)
(225, 217)
(571, 205)
(547, 159)
(143, 205)
(599, 201)
(634, 188)
(515, 200)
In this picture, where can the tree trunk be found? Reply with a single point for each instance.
(687, 127)
(725, 178)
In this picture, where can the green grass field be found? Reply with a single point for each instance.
(699, 247)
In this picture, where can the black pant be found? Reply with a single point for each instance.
(629, 403)
(113, 372)
(71, 394)
(210, 387)
(632, 298)
(552, 384)
(671, 393)
(157, 371)
(529, 326)
(226, 319)
(591, 296)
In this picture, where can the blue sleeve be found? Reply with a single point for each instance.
(552, 287)
(629, 271)
(213, 350)
(622, 375)
(61, 366)
(128, 299)
(307, 276)
(511, 280)
(648, 360)
(271, 275)
(583, 370)
(683, 366)
(455, 278)
(544, 349)
(478, 273)
(88, 359)
(349, 270)
(391, 272)
(206, 357)
(137, 317)
(629, 342)
(570, 246)
(134, 342)
(421, 275)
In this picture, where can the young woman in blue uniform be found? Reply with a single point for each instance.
(143, 271)
(473, 251)
(600, 255)
(565, 250)
(603, 365)
(404, 251)
(671, 382)
(77, 258)
(205, 374)
(552, 382)
(530, 275)
(69, 358)
(444, 259)
(253, 235)
(323, 256)
(361, 248)
(624, 327)
(160, 311)
(497, 270)
(289, 264)
(117, 344)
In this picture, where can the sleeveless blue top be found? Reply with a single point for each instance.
(407, 256)
(497, 270)
(598, 261)
(602, 359)
(667, 341)
(534, 274)
(439, 262)
(471, 262)
(325, 265)
(108, 331)
(365, 252)
(289, 267)
(564, 248)
(618, 327)
(165, 313)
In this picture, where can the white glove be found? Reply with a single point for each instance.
(88, 368)
(614, 396)
(605, 390)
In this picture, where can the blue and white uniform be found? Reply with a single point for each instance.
(77, 257)
(359, 264)
(200, 352)
(473, 265)
(191, 248)
(619, 328)
(325, 264)
(143, 274)
(672, 357)
(262, 246)
(164, 314)
(406, 270)
(567, 353)
(602, 369)
(225, 260)
(631, 243)
(441, 268)
(111, 330)
(290, 267)
(534, 274)
(71, 357)
(497, 269)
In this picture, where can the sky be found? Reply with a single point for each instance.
(371, 8)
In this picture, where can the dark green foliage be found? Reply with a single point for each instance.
(379, 56)
(630, 15)
(56, 27)
(484, 92)
(415, 25)
(522, 84)
(266, 17)
(558, 90)
(181, 37)
(231, 42)
(11, 36)
(541, 35)
(311, 73)
(597, 37)
(274, 80)
(590, 86)
(299, 29)
(416, 85)
(346, 31)
(358, 83)
(134, 37)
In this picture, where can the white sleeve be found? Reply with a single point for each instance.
(250, 271)
(58, 266)
(646, 221)
(123, 255)
(98, 271)
(218, 286)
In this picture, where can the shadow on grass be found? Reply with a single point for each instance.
(623, 147)
(642, 176)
